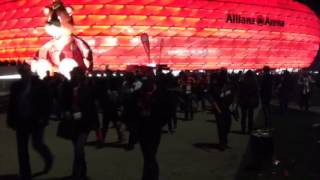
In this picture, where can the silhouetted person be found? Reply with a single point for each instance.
(110, 108)
(317, 79)
(174, 92)
(202, 88)
(248, 99)
(285, 90)
(100, 88)
(48, 80)
(157, 105)
(63, 95)
(28, 115)
(266, 94)
(305, 81)
(131, 111)
(222, 99)
(188, 86)
(47, 77)
(84, 117)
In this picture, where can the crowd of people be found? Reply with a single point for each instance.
(144, 102)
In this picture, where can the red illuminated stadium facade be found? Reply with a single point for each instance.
(185, 34)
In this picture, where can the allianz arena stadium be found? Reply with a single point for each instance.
(183, 34)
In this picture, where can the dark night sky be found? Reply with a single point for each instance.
(313, 4)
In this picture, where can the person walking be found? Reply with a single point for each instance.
(222, 100)
(110, 108)
(266, 94)
(285, 91)
(28, 111)
(188, 84)
(305, 81)
(174, 90)
(156, 107)
(248, 100)
(84, 116)
(131, 114)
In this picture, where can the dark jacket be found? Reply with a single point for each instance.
(248, 93)
(83, 98)
(28, 104)
(161, 107)
(158, 101)
(130, 101)
(266, 88)
(286, 87)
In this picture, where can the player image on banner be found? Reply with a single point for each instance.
(66, 50)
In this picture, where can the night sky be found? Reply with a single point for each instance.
(313, 4)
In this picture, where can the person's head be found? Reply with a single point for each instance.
(285, 73)
(305, 73)
(24, 70)
(223, 76)
(249, 74)
(159, 70)
(129, 77)
(109, 73)
(48, 73)
(266, 69)
(78, 74)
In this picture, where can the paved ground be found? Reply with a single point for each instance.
(188, 154)
(296, 147)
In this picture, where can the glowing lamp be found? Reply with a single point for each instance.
(54, 31)
(46, 11)
(33, 64)
(41, 67)
(66, 66)
(69, 10)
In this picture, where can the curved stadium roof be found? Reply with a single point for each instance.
(185, 34)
